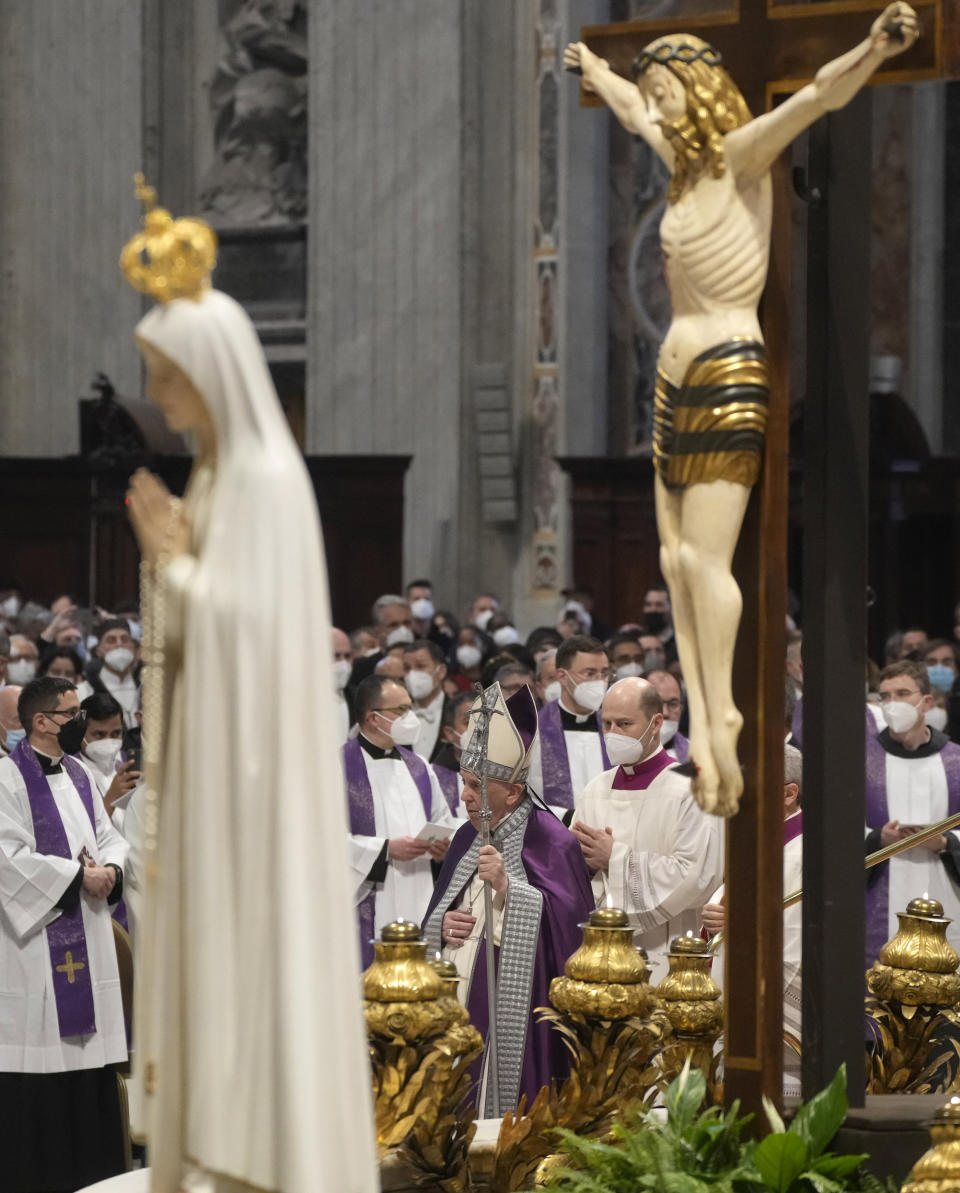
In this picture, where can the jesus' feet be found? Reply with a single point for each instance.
(706, 783)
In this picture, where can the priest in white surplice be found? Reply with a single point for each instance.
(61, 1016)
(392, 794)
(913, 779)
(651, 849)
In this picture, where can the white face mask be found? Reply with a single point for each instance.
(400, 636)
(469, 656)
(668, 731)
(118, 659)
(626, 670)
(654, 660)
(10, 607)
(419, 684)
(406, 729)
(482, 619)
(506, 636)
(900, 716)
(553, 691)
(341, 674)
(368, 654)
(21, 671)
(103, 754)
(936, 718)
(590, 694)
(422, 609)
(626, 751)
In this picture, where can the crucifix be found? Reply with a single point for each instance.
(771, 51)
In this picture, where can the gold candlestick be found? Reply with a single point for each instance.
(914, 987)
(938, 1170)
(421, 1049)
(612, 1026)
(691, 1001)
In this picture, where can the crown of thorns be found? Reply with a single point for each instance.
(668, 52)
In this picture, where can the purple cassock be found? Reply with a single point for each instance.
(548, 897)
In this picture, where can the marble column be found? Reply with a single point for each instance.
(384, 272)
(71, 138)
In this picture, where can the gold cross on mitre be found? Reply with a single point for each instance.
(70, 967)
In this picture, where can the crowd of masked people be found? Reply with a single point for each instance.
(585, 776)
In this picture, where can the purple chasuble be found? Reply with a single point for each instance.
(363, 819)
(639, 776)
(877, 815)
(792, 828)
(553, 865)
(557, 784)
(66, 938)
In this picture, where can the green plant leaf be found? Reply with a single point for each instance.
(823, 1184)
(773, 1116)
(836, 1167)
(684, 1097)
(817, 1121)
(780, 1159)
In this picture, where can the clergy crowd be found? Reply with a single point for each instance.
(573, 733)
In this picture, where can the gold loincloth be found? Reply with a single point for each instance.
(712, 426)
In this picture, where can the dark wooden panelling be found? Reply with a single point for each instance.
(64, 528)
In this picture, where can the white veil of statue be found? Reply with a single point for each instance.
(250, 1034)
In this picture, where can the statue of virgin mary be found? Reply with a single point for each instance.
(249, 1031)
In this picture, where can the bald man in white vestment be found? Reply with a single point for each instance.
(651, 849)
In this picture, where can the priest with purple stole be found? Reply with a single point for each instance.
(61, 1015)
(541, 894)
(399, 819)
(913, 779)
(570, 750)
(650, 847)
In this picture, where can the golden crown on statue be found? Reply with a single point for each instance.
(169, 258)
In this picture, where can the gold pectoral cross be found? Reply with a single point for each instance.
(69, 967)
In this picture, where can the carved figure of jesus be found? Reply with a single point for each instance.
(710, 405)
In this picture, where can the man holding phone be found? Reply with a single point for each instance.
(913, 780)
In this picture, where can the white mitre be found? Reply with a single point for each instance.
(511, 737)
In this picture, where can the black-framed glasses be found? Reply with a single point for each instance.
(74, 714)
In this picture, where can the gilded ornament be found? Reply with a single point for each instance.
(606, 978)
(938, 1170)
(170, 258)
(612, 1027)
(690, 996)
(421, 1048)
(914, 988)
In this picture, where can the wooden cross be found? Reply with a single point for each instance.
(70, 967)
(771, 50)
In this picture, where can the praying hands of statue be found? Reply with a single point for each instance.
(98, 881)
(715, 235)
(159, 521)
(596, 845)
(456, 927)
